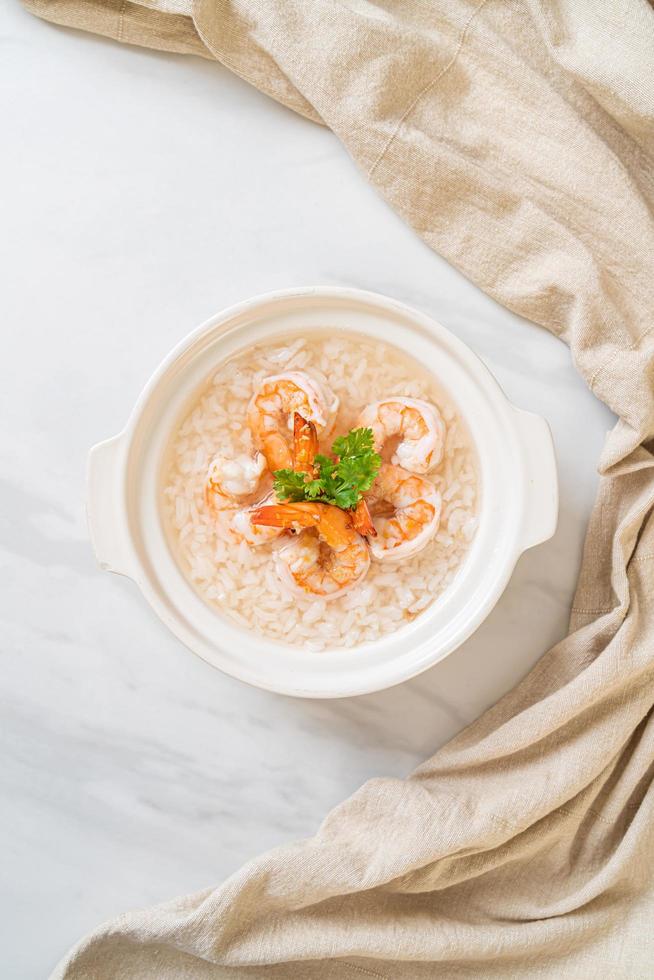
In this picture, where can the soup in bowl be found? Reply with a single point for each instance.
(314, 575)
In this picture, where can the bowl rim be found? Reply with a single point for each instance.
(356, 685)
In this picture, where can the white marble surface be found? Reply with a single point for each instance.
(143, 192)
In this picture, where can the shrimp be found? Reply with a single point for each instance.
(419, 426)
(243, 527)
(229, 479)
(229, 482)
(325, 564)
(305, 444)
(406, 510)
(272, 407)
(362, 520)
(305, 447)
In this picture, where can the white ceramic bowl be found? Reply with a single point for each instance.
(518, 508)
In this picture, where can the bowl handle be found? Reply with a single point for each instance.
(542, 491)
(106, 508)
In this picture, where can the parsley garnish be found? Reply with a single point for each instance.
(340, 481)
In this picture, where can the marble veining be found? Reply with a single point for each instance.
(147, 192)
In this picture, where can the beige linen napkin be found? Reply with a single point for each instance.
(516, 136)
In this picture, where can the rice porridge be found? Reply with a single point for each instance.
(329, 571)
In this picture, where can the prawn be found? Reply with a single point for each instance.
(272, 408)
(231, 478)
(234, 479)
(418, 424)
(239, 478)
(324, 564)
(305, 447)
(405, 510)
(305, 444)
(244, 528)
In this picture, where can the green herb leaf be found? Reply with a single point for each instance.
(339, 481)
(358, 442)
(325, 466)
(313, 489)
(289, 485)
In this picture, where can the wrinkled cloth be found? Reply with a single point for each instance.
(517, 138)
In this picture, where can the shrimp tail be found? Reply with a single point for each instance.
(305, 444)
(287, 515)
(362, 521)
